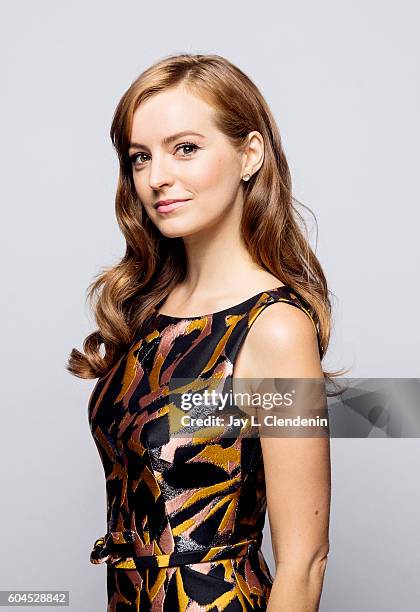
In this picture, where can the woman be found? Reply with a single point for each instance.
(204, 202)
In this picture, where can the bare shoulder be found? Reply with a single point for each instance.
(282, 341)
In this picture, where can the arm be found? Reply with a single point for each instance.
(297, 470)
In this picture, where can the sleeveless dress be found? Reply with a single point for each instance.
(185, 517)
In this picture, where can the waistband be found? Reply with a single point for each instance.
(124, 549)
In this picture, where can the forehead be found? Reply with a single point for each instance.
(172, 110)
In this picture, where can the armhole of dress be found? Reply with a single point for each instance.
(252, 319)
(296, 304)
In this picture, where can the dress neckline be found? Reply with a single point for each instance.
(162, 315)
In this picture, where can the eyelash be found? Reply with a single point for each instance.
(134, 157)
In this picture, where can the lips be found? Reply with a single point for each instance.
(167, 205)
(166, 202)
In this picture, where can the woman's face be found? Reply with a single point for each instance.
(201, 167)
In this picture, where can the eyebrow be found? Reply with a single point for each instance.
(168, 139)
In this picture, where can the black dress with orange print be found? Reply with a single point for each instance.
(185, 516)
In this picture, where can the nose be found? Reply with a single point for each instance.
(159, 174)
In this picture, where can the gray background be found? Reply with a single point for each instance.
(342, 82)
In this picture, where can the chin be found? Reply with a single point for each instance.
(176, 232)
(179, 229)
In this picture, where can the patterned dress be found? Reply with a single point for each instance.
(185, 516)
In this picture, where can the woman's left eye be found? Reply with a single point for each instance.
(186, 145)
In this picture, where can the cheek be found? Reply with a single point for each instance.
(217, 175)
(140, 185)
(207, 173)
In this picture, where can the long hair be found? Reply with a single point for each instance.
(123, 297)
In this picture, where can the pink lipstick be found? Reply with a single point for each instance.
(169, 205)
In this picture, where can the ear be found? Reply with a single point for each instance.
(253, 155)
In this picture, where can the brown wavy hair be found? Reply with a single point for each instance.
(123, 297)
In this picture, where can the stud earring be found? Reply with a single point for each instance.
(246, 177)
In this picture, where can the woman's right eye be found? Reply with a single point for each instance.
(134, 160)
